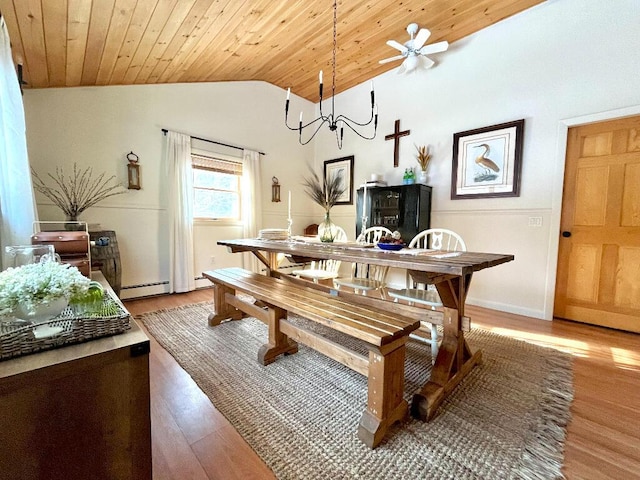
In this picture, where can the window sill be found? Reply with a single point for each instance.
(211, 222)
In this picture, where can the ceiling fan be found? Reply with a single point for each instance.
(414, 51)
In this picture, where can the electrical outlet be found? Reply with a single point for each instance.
(535, 221)
(212, 260)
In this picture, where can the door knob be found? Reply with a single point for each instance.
(566, 234)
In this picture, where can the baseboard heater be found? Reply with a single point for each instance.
(142, 285)
(129, 292)
(153, 284)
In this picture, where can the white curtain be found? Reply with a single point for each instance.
(181, 258)
(17, 202)
(251, 208)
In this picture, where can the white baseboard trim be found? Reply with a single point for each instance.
(139, 291)
(147, 291)
(505, 307)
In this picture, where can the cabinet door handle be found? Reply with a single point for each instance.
(566, 234)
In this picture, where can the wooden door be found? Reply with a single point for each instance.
(599, 256)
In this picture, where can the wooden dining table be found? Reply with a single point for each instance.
(450, 272)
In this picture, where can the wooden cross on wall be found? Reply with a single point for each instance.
(395, 136)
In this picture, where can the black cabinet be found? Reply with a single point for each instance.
(406, 208)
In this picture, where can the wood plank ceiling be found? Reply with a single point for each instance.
(67, 43)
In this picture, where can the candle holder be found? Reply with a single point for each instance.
(361, 237)
(289, 225)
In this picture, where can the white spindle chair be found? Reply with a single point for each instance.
(434, 239)
(373, 234)
(364, 277)
(322, 269)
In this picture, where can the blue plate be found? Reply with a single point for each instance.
(391, 246)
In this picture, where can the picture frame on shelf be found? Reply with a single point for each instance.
(487, 161)
(344, 167)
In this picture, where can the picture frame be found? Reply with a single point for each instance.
(344, 165)
(487, 161)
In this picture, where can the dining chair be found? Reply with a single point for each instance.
(322, 269)
(373, 234)
(420, 293)
(365, 277)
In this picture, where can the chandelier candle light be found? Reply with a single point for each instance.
(331, 118)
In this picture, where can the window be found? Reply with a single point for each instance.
(216, 185)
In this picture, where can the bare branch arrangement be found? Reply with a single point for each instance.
(325, 193)
(79, 191)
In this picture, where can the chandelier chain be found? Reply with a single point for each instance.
(336, 123)
(335, 43)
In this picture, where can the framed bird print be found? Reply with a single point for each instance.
(487, 161)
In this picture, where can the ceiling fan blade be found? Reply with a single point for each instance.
(426, 62)
(391, 59)
(422, 36)
(434, 48)
(397, 45)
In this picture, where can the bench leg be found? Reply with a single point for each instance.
(279, 343)
(385, 402)
(223, 311)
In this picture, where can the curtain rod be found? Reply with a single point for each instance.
(164, 131)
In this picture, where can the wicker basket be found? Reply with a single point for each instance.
(18, 338)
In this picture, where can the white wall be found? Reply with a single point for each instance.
(552, 63)
(98, 126)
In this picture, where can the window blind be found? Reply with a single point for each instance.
(216, 164)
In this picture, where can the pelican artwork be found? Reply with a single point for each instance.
(487, 166)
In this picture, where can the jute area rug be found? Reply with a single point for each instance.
(506, 420)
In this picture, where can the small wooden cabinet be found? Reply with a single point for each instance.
(80, 411)
(406, 208)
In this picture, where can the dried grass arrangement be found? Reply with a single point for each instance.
(326, 193)
(78, 191)
(423, 157)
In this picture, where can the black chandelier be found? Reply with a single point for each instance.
(331, 119)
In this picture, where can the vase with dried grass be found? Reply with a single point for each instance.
(423, 157)
(326, 194)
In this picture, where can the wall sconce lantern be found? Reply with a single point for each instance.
(133, 171)
(275, 190)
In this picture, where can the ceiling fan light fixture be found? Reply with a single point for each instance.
(331, 119)
(410, 64)
(414, 51)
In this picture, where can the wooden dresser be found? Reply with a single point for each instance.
(80, 411)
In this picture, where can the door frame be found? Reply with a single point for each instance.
(558, 185)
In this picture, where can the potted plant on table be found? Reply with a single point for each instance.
(326, 194)
(37, 292)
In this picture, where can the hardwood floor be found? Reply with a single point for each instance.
(192, 440)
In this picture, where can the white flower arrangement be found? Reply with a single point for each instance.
(37, 283)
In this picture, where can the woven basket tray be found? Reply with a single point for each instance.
(17, 339)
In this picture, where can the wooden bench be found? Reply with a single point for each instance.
(384, 333)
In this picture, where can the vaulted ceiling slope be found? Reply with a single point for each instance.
(67, 43)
